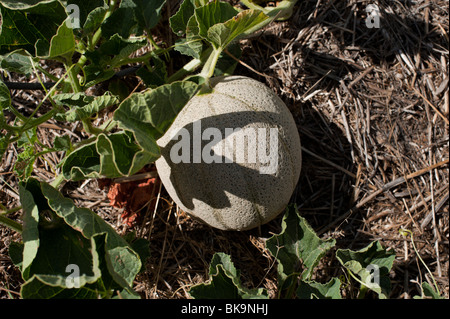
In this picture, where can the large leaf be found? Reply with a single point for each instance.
(149, 114)
(225, 282)
(26, 22)
(60, 237)
(370, 266)
(297, 248)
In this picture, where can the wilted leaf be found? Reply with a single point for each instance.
(133, 197)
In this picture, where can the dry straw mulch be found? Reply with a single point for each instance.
(372, 108)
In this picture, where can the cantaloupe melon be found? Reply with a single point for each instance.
(229, 178)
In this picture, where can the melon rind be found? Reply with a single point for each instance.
(233, 196)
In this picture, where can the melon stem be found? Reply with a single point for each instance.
(208, 69)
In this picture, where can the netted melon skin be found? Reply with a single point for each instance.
(237, 195)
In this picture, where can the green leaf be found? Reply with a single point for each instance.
(211, 14)
(132, 17)
(192, 45)
(86, 7)
(111, 156)
(245, 23)
(58, 236)
(153, 75)
(5, 97)
(179, 21)
(62, 143)
(148, 13)
(370, 266)
(110, 54)
(315, 290)
(224, 282)
(18, 61)
(15, 252)
(122, 21)
(429, 292)
(94, 19)
(297, 248)
(94, 105)
(26, 22)
(149, 114)
(61, 45)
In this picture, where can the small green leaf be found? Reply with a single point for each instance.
(225, 282)
(82, 163)
(370, 266)
(62, 143)
(94, 19)
(315, 290)
(297, 248)
(429, 292)
(153, 75)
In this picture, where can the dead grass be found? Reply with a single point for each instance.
(371, 107)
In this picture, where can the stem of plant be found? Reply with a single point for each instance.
(405, 232)
(10, 223)
(208, 69)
